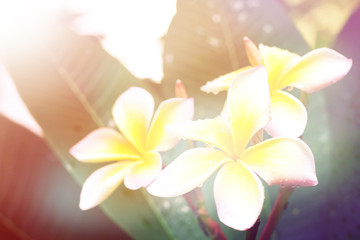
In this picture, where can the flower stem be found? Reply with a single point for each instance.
(279, 206)
(157, 214)
(196, 201)
(209, 226)
(252, 232)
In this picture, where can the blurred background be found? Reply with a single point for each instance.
(63, 64)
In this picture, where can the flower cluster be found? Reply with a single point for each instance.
(310, 73)
(238, 191)
(255, 101)
(135, 149)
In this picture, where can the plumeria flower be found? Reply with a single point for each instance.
(310, 73)
(135, 149)
(238, 191)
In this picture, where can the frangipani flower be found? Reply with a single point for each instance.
(312, 72)
(135, 150)
(238, 191)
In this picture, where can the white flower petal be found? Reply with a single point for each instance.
(102, 145)
(288, 116)
(144, 172)
(170, 111)
(282, 161)
(101, 183)
(239, 196)
(277, 62)
(212, 131)
(316, 70)
(187, 172)
(248, 104)
(223, 82)
(132, 113)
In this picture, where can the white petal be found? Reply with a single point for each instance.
(144, 172)
(170, 111)
(137, 45)
(11, 104)
(223, 82)
(102, 145)
(239, 196)
(212, 131)
(282, 161)
(277, 62)
(248, 103)
(288, 116)
(316, 70)
(101, 183)
(187, 172)
(132, 113)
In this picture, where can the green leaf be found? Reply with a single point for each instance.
(38, 199)
(69, 85)
(343, 106)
